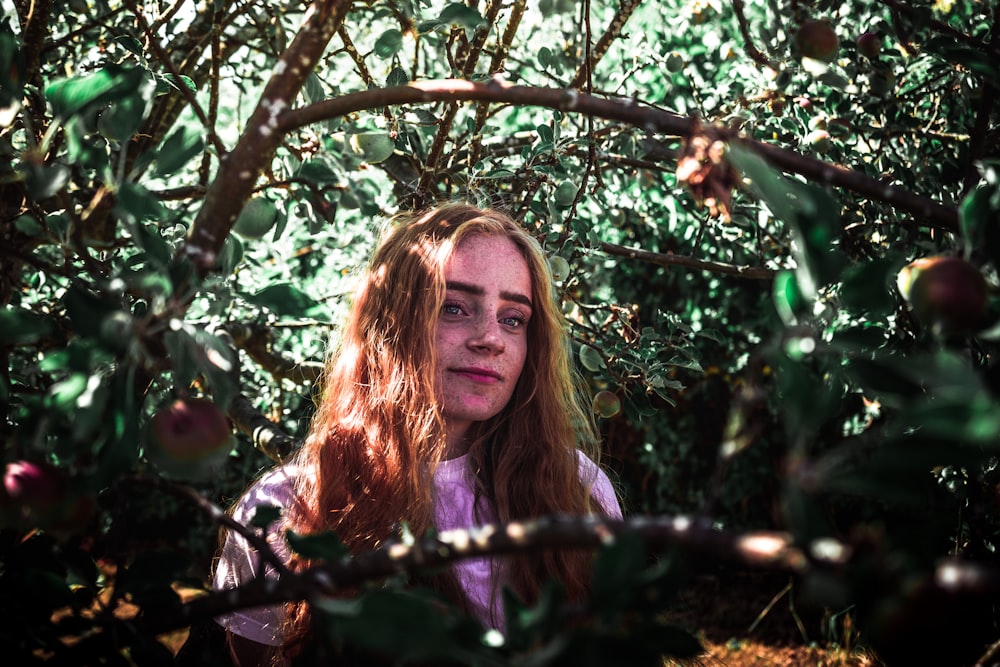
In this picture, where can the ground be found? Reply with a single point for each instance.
(750, 620)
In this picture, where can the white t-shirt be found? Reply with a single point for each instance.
(454, 509)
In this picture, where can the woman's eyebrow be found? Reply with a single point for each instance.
(476, 290)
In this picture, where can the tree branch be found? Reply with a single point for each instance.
(757, 550)
(613, 32)
(265, 434)
(927, 211)
(239, 169)
(668, 260)
(187, 93)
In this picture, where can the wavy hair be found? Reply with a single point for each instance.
(378, 432)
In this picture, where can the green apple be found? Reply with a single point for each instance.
(606, 404)
(373, 146)
(559, 268)
(256, 218)
(565, 193)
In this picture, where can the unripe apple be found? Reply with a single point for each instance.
(839, 128)
(606, 404)
(256, 218)
(819, 140)
(869, 45)
(817, 40)
(189, 436)
(35, 493)
(591, 359)
(559, 268)
(374, 146)
(881, 82)
(565, 193)
(675, 62)
(946, 292)
(116, 329)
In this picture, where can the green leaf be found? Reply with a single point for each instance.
(63, 395)
(867, 286)
(457, 13)
(11, 67)
(285, 299)
(397, 77)
(86, 310)
(616, 570)
(177, 149)
(316, 170)
(317, 546)
(812, 214)
(978, 214)
(130, 44)
(265, 515)
(789, 301)
(21, 327)
(28, 226)
(72, 96)
(167, 82)
(389, 43)
(44, 181)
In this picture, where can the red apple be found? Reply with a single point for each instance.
(817, 40)
(869, 45)
(945, 292)
(188, 435)
(34, 493)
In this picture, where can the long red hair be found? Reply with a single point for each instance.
(378, 432)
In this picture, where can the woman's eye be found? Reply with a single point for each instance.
(514, 321)
(451, 309)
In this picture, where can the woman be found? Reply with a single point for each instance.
(449, 402)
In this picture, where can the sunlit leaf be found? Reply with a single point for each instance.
(71, 96)
(389, 43)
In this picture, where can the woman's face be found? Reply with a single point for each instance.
(482, 332)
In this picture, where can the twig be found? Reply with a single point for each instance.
(240, 168)
(661, 259)
(613, 32)
(164, 58)
(748, 44)
(213, 512)
(265, 434)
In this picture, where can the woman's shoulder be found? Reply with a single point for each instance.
(276, 488)
(601, 488)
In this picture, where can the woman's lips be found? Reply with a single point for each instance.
(478, 375)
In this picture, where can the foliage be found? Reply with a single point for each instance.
(770, 372)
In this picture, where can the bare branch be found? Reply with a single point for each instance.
(758, 550)
(748, 44)
(219, 517)
(265, 434)
(614, 31)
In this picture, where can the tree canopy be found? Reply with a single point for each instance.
(773, 228)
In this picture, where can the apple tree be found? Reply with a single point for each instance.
(772, 227)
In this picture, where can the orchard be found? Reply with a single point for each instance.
(774, 233)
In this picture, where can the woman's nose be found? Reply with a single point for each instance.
(487, 336)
